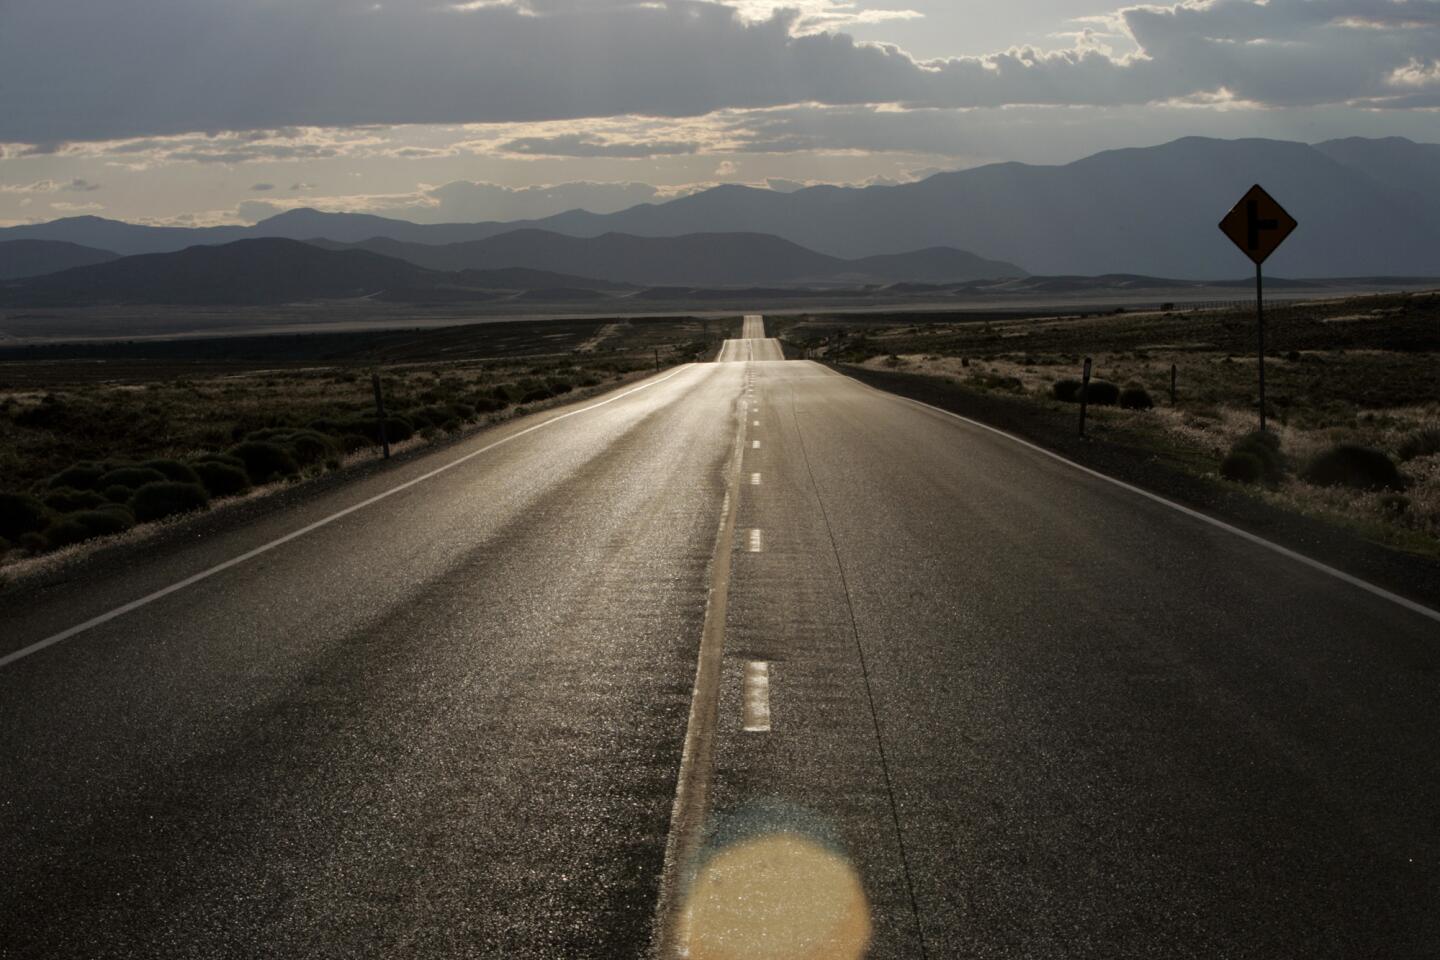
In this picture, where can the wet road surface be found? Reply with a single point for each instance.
(1029, 713)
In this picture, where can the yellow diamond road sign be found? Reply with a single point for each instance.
(1257, 224)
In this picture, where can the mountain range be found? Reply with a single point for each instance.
(698, 259)
(539, 265)
(29, 258)
(1365, 207)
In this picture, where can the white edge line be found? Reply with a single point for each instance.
(119, 611)
(1354, 581)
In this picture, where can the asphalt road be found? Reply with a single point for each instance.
(501, 711)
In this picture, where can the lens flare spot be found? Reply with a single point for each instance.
(776, 897)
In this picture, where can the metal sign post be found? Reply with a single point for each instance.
(1258, 225)
(1084, 393)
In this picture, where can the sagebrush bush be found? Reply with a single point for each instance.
(20, 514)
(354, 442)
(309, 446)
(133, 477)
(1136, 398)
(398, 429)
(264, 461)
(1393, 504)
(86, 525)
(81, 476)
(118, 493)
(222, 479)
(1264, 446)
(1421, 443)
(224, 458)
(1242, 466)
(1349, 465)
(172, 470)
(68, 500)
(166, 498)
(1099, 393)
(1066, 390)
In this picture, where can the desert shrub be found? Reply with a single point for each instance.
(264, 461)
(533, 391)
(1264, 446)
(309, 446)
(1066, 390)
(118, 493)
(398, 429)
(132, 478)
(462, 411)
(421, 418)
(33, 542)
(1099, 393)
(1136, 398)
(222, 479)
(1359, 468)
(268, 434)
(1242, 466)
(486, 404)
(165, 498)
(1394, 504)
(20, 514)
(1421, 443)
(121, 510)
(173, 470)
(218, 458)
(81, 476)
(66, 500)
(326, 425)
(352, 442)
(86, 525)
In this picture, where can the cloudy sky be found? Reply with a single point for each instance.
(207, 111)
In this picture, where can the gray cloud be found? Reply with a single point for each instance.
(263, 187)
(76, 185)
(258, 65)
(586, 145)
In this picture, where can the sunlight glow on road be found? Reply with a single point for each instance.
(777, 897)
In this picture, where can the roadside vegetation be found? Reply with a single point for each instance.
(84, 456)
(1352, 391)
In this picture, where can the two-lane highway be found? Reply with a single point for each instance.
(961, 699)
(753, 344)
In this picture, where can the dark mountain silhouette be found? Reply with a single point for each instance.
(1365, 207)
(703, 259)
(32, 258)
(1393, 161)
(1151, 210)
(274, 270)
(244, 272)
(522, 278)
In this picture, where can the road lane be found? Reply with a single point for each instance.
(446, 724)
(1109, 728)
